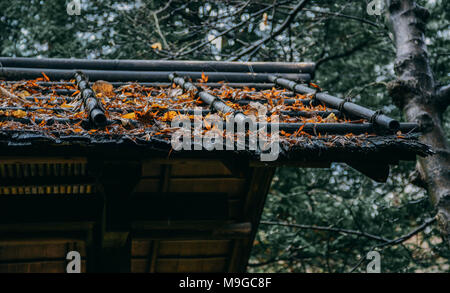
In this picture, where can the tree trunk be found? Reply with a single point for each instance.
(415, 93)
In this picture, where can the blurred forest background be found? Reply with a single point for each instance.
(315, 220)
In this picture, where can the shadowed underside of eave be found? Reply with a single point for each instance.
(157, 215)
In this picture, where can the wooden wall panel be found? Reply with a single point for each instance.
(191, 265)
(148, 185)
(180, 265)
(234, 187)
(11, 250)
(39, 255)
(182, 248)
(200, 169)
(58, 266)
(234, 209)
(151, 170)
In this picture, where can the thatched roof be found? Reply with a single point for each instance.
(45, 111)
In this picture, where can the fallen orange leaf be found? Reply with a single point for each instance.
(131, 115)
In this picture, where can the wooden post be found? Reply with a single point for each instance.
(116, 182)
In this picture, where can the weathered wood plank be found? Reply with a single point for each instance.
(178, 206)
(194, 265)
(260, 182)
(148, 185)
(234, 187)
(14, 250)
(190, 230)
(234, 209)
(151, 169)
(41, 160)
(200, 168)
(182, 248)
(57, 266)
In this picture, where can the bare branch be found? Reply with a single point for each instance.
(385, 242)
(329, 229)
(347, 53)
(358, 90)
(398, 240)
(164, 7)
(278, 31)
(345, 16)
(158, 29)
(409, 235)
(236, 26)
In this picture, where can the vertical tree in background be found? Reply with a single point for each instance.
(415, 91)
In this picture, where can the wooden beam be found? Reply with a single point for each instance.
(153, 256)
(292, 163)
(260, 182)
(117, 180)
(41, 160)
(165, 178)
(190, 230)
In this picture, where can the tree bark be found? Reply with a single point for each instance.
(415, 93)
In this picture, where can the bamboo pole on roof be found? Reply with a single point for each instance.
(18, 73)
(260, 86)
(308, 114)
(160, 65)
(95, 111)
(236, 101)
(215, 103)
(339, 128)
(340, 104)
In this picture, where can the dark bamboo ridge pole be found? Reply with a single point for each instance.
(18, 73)
(215, 103)
(282, 94)
(340, 104)
(153, 92)
(160, 65)
(308, 114)
(118, 110)
(239, 102)
(67, 92)
(275, 101)
(340, 128)
(31, 109)
(93, 107)
(289, 113)
(49, 121)
(45, 98)
(262, 86)
(310, 128)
